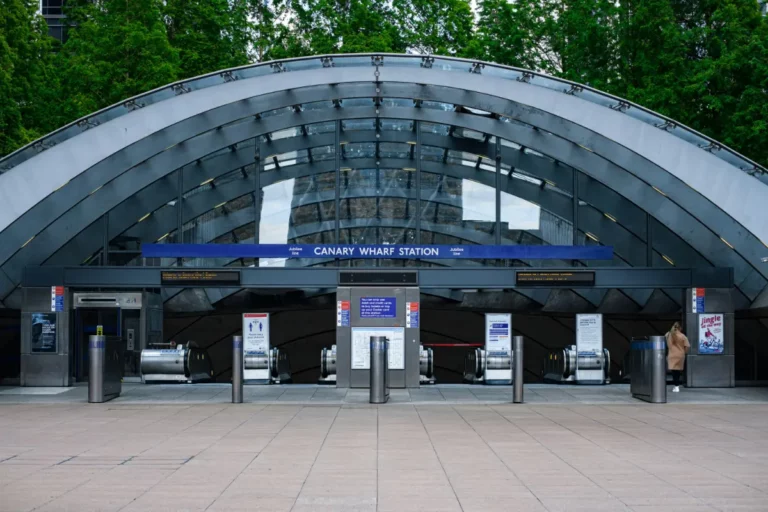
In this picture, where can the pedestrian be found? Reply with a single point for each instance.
(677, 347)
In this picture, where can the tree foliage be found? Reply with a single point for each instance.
(27, 75)
(702, 62)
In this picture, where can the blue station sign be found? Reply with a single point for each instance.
(521, 252)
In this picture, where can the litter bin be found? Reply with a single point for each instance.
(105, 371)
(379, 388)
(648, 369)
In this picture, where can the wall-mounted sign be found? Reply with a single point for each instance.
(44, 333)
(412, 315)
(57, 298)
(200, 277)
(378, 307)
(515, 252)
(343, 308)
(698, 296)
(711, 334)
(361, 346)
(554, 278)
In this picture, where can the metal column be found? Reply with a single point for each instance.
(517, 364)
(237, 369)
(105, 368)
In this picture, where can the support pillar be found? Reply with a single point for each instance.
(45, 339)
(709, 323)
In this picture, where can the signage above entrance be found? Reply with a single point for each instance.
(507, 252)
(200, 277)
(554, 278)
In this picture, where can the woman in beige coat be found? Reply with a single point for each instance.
(677, 347)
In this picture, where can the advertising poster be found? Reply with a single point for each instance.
(256, 333)
(498, 342)
(44, 333)
(589, 342)
(711, 335)
(361, 346)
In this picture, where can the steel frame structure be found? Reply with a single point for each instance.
(655, 190)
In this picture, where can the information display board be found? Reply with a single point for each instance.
(498, 343)
(378, 307)
(554, 278)
(711, 334)
(44, 333)
(361, 346)
(200, 277)
(589, 342)
(256, 342)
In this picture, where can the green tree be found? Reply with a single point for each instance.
(271, 36)
(208, 34)
(27, 75)
(441, 27)
(508, 33)
(116, 49)
(343, 26)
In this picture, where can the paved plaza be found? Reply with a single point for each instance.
(446, 456)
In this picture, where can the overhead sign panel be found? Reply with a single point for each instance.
(513, 252)
(554, 278)
(200, 277)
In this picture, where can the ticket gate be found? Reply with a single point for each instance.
(328, 365)
(561, 366)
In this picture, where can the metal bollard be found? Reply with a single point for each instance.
(237, 369)
(379, 386)
(517, 368)
(97, 348)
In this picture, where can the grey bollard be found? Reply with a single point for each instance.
(379, 392)
(237, 369)
(97, 349)
(517, 369)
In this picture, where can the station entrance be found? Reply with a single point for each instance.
(310, 325)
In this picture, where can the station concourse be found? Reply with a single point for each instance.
(446, 205)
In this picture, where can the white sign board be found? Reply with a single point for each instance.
(589, 342)
(361, 346)
(498, 342)
(711, 334)
(256, 342)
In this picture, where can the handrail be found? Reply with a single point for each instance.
(648, 116)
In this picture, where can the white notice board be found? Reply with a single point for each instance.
(589, 342)
(361, 346)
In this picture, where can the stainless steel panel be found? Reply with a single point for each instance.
(105, 368)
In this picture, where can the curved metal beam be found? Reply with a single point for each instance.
(384, 114)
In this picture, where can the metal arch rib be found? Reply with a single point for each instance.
(366, 115)
(736, 243)
(571, 88)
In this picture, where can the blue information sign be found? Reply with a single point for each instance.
(378, 307)
(522, 252)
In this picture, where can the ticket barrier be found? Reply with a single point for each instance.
(561, 365)
(648, 364)
(105, 372)
(328, 366)
(185, 363)
(275, 361)
(478, 362)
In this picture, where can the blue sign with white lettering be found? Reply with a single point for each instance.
(378, 307)
(512, 252)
